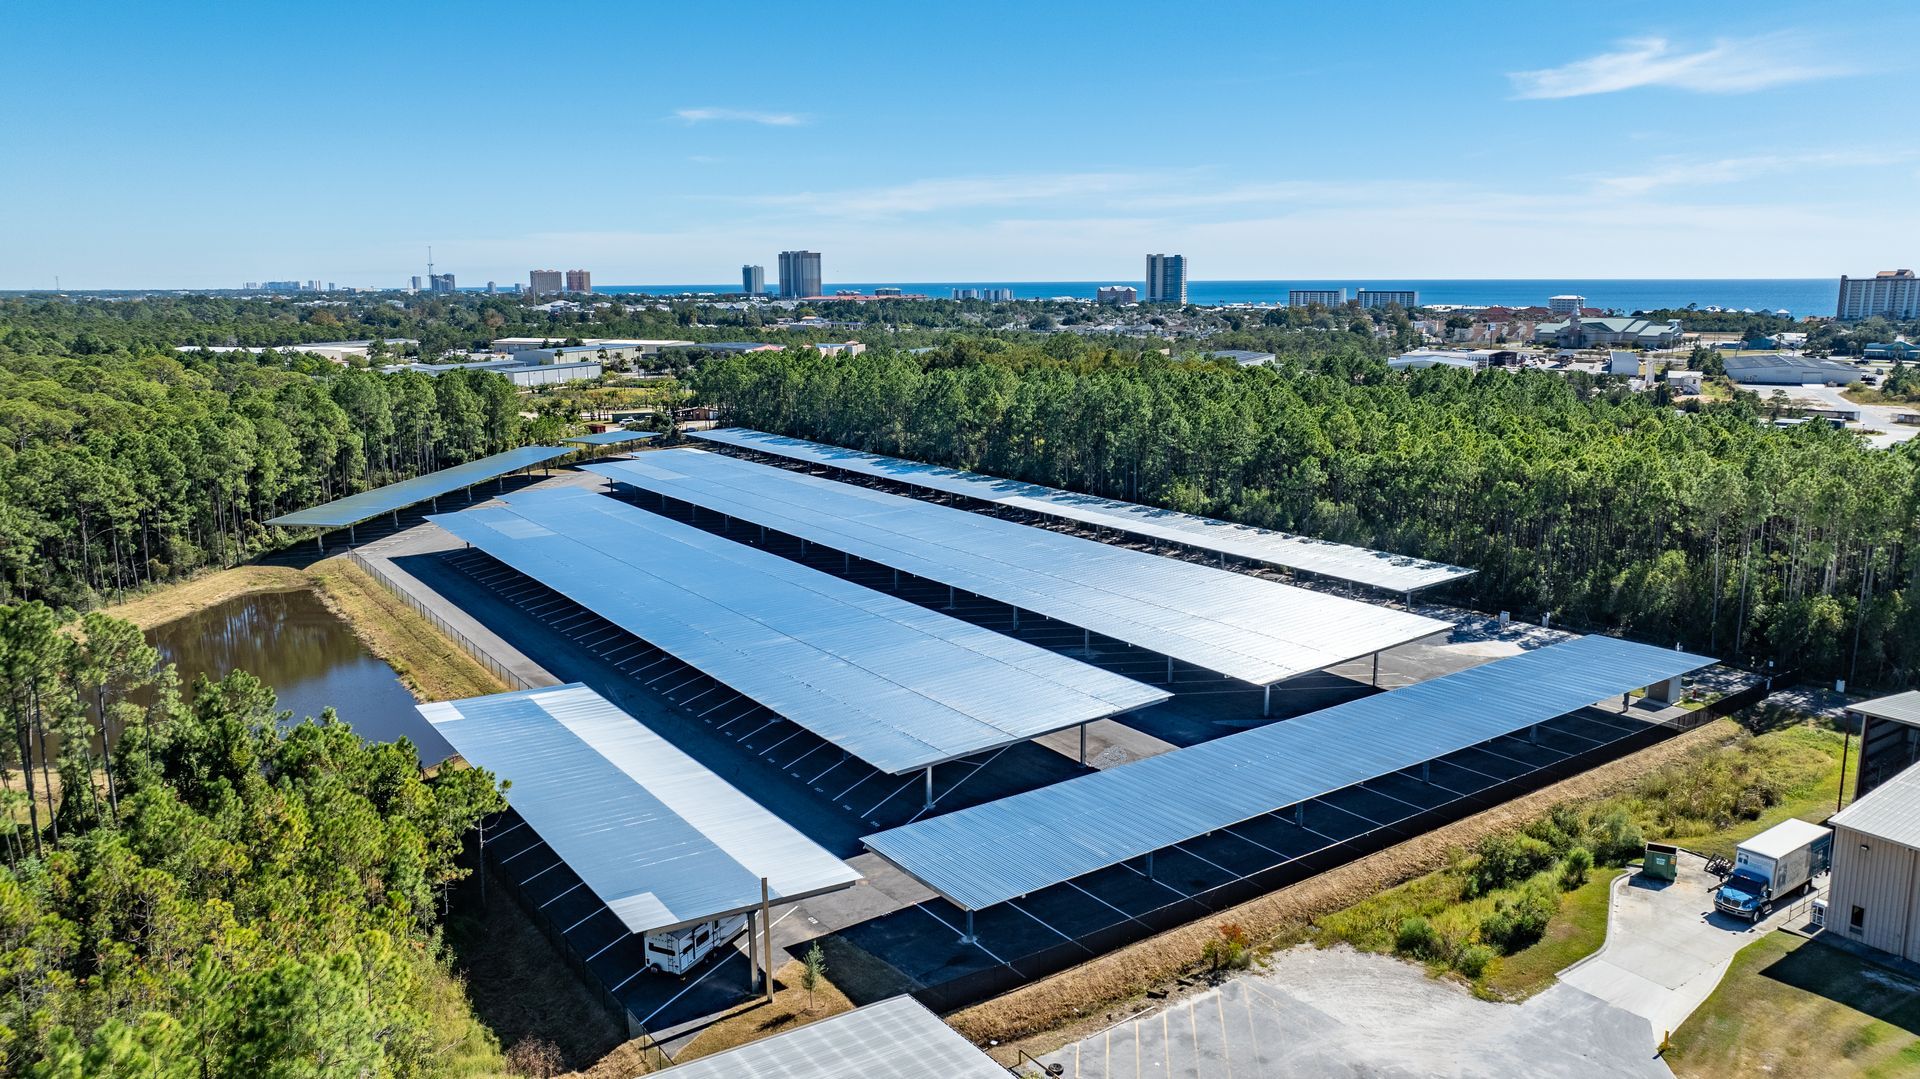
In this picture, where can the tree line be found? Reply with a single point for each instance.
(215, 893)
(130, 466)
(1573, 497)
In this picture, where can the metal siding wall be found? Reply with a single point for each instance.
(1880, 880)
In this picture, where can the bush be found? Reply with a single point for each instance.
(1574, 870)
(1505, 858)
(1229, 950)
(1615, 839)
(1471, 961)
(1519, 921)
(1418, 938)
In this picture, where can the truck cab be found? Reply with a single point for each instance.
(1744, 894)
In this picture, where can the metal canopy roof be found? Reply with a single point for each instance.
(1378, 569)
(1899, 708)
(897, 685)
(366, 505)
(612, 438)
(893, 1039)
(1254, 630)
(1002, 850)
(1890, 811)
(660, 839)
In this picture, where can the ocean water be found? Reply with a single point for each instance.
(1797, 296)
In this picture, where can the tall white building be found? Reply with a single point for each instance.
(543, 282)
(1376, 297)
(1889, 293)
(799, 274)
(1325, 297)
(1166, 279)
(1567, 305)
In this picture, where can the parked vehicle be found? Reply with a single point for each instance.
(1774, 865)
(677, 951)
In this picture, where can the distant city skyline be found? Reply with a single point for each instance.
(1709, 146)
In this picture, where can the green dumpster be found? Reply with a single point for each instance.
(1662, 862)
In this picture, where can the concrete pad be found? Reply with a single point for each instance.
(1340, 1012)
(1666, 947)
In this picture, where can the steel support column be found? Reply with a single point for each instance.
(929, 786)
(1266, 699)
(1083, 743)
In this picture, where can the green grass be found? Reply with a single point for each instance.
(1575, 933)
(1721, 796)
(1789, 1007)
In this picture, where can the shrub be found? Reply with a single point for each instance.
(1505, 858)
(1230, 949)
(1573, 871)
(1418, 938)
(1519, 921)
(1615, 839)
(1471, 961)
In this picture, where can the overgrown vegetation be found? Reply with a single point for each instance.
(217, 896)
(1524, 904)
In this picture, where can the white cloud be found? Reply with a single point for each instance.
(1693, 173)
(1725, 67)
(745, 116)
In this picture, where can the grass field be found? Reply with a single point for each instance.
(1791, 1008)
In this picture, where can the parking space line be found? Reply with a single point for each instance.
(769, 750)
(562, 895)
(1043, 921)
(956, 932)
(1231, 875)
(719, 706)
(869, 813)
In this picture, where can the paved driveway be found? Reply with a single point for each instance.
(1340, 1012)
(1666, 947)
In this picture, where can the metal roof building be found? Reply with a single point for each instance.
(1339, 561)
(1253, 630)
(367, 505)
(1889, 738)
(899, 686)
(895, 1038)
(612, 438)
(662, 841)
(1875, 894)
(1002, 850)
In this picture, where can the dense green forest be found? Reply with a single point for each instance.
(217, 897)
(1571, 497)
(129, 464)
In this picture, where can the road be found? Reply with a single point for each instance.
(1877, 419)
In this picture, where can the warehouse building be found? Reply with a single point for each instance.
(1769, 370)
(1889, 738)
(1875, 896)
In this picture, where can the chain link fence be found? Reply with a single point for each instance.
(466, 643)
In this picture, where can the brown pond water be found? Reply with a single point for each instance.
(311, 658)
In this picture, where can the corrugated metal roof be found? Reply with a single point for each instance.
(1890, 811)
(1899, 708)
(897, 685)
(1018, 845)
(366, 505)
(893, 1039)
(1254, 630)
(660, 839)
(1377, 569)
(612, 438)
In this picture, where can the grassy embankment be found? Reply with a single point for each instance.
(1707, 804)
(1794, 1009)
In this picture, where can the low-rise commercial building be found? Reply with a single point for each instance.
(1875, 895)
(1889, 739)
(1763, 369)
(1608, 332)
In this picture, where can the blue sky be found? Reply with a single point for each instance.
(183, 145)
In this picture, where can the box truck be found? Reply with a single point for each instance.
(1772, 866)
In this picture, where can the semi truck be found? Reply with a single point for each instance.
(1772, 866)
